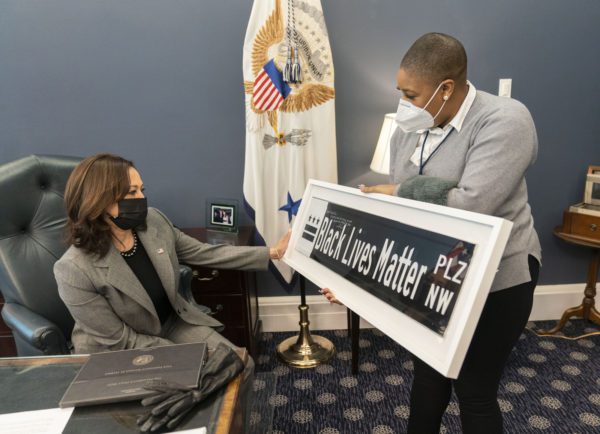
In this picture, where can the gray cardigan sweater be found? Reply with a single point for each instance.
(481, 169)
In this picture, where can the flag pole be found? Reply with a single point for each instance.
(304, 350)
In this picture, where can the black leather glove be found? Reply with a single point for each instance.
(171, 402)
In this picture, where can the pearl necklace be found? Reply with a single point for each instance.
(131, 251)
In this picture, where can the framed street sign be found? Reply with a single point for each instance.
(418, 272)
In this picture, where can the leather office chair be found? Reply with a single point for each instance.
(32, 221)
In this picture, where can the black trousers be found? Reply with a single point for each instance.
(502, 321)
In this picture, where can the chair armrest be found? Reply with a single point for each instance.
(34, 334)
(185, 288)
(185, 282)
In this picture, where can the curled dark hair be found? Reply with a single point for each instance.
(96, 183)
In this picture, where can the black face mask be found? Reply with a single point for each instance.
(132, 213)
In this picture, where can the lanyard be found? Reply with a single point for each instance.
(423, 164)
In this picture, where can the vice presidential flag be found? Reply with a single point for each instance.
(290, 113)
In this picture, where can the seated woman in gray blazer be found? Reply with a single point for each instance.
(120, 276)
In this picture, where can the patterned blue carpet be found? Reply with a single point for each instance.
(550, 385)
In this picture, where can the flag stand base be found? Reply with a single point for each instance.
(304, 350)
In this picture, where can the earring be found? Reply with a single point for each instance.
(446, 97)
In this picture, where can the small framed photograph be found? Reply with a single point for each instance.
(222, 215)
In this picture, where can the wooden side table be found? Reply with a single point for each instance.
(231, 295)
(587, 309)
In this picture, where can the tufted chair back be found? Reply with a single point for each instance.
(32, 238)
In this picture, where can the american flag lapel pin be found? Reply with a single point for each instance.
(160, 251)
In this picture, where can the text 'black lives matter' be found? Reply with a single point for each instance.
(416, 271)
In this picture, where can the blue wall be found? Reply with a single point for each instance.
(159, 82)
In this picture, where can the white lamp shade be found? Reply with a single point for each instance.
(381, 158)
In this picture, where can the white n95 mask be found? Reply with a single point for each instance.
(411, 118)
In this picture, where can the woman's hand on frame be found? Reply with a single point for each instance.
(329, 296)
(278, 251)
(381, 188)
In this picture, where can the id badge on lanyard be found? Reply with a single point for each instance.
(422, 163)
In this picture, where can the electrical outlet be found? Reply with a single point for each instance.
(504, 87)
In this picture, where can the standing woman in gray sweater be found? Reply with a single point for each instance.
(467, 149)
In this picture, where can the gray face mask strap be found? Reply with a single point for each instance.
(441, 108)
(434, 94)
(443, 104)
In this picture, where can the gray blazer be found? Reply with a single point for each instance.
(112, 310)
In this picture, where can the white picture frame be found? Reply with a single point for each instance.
(443, 350)
(592, 186)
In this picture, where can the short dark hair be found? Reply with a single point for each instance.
(96, 183)
(437, 57)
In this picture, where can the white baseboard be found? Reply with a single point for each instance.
(280, 314)
(550, 301)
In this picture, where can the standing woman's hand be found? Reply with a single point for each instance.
(329, 296)
(278, 251)
(381, 188)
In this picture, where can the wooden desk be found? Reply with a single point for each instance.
(232, 295)
(222, 409)
(587, 309)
